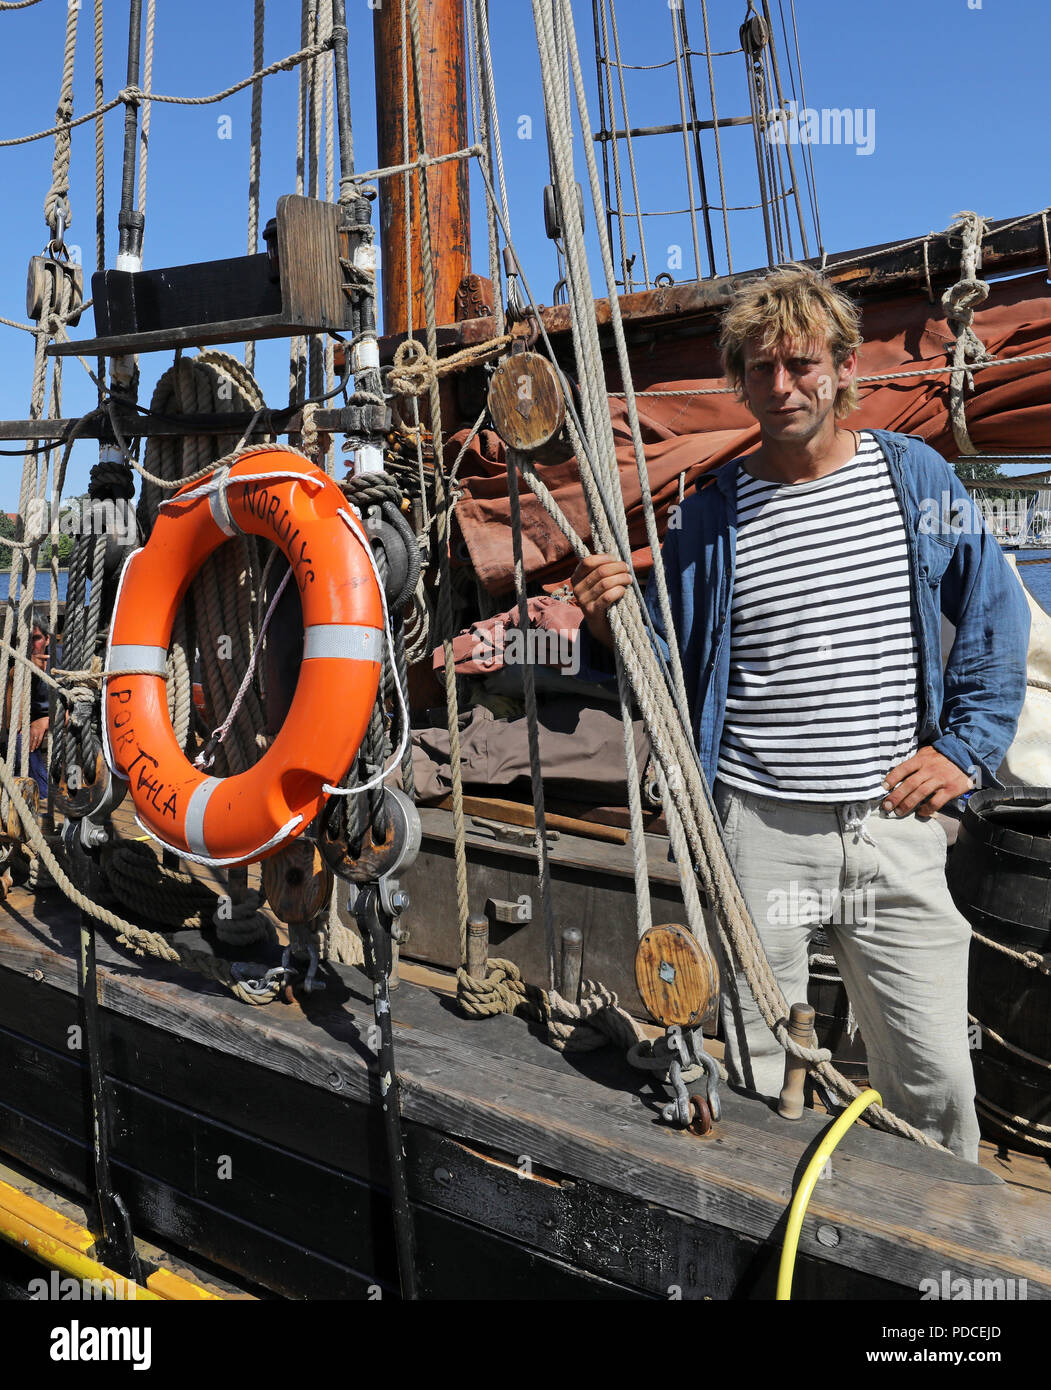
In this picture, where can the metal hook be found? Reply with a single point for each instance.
(58, 234)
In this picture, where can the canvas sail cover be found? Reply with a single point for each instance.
(686, 436)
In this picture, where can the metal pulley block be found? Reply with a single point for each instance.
(553, 223)
(377, 858)
(43, 269)
(76, 793)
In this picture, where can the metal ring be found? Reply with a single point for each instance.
(700, 1117)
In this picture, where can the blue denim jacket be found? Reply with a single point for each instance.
(969, 713)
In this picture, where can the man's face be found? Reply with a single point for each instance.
(791, 388)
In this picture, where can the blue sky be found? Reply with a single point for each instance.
(951, 93)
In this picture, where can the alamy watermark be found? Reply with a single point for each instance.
(798, 905)
(88, 1343)
(827, 125)
(96, 516)
(536, 646)
(961, 1288)
(63, 1288)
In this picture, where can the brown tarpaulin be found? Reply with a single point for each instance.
(1010, 411)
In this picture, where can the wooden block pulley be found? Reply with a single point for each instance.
(44, 268)
(297, 882)
(677, 977)
(31, 795)
(526, 401)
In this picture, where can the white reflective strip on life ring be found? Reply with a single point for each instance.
(127, 656)
(194, 827)
(220, 508)
(346, 641)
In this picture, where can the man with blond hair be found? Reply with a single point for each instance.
(807, 583)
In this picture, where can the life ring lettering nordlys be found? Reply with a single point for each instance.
(247, 816)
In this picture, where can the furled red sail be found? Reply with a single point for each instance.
(685, 436)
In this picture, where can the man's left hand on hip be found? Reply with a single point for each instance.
(924, 783)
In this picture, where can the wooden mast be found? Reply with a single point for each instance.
(443, 55)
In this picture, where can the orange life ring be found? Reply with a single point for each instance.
(246, 817)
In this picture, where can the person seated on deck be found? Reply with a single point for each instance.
(823, 719)
(39, 642)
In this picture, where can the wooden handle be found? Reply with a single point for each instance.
(518, 813)
(801, 1028)
(572, 958)
(477, 946)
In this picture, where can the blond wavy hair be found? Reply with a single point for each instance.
(793, 303)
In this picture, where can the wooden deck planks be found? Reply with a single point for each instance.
(901, 1213)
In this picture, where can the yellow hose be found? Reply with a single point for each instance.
(54, 1240)
(801, 1200)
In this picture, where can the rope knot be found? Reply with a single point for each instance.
(413, 372)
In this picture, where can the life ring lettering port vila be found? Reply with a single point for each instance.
(283, 498)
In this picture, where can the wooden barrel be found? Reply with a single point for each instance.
(999, 873)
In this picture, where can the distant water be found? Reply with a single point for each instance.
(43, 586)
(1036, 578)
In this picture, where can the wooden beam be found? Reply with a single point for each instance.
(1015, 243)
(283, 421)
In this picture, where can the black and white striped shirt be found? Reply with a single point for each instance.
(823, 656)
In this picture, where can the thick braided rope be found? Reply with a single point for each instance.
(176, 899)
(1032, 960)
(144, 129)
(100, 149)
(536, 771)
(664, 604)
(443, 504)
(136, 94)
(56, 203)
(221, 596)
(959, 301)
(255, 151)
(595, 1021)
(143, 884)
(1017, 1126)
(1030, 1057)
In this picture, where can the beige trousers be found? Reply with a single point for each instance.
(876, 883)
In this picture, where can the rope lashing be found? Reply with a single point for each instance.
(597, 1020)
(959, 302)
(415, 370)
